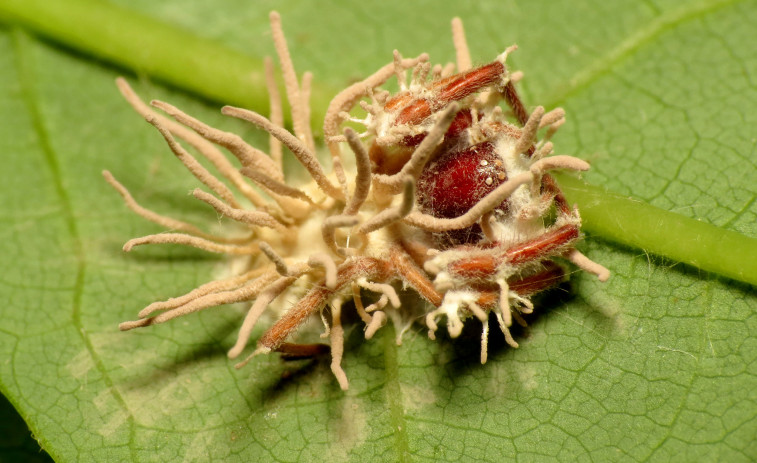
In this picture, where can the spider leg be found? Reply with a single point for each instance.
(291, 351)
(274, 338)
(410, 273)
(486, 264)
(550, 187)
(543, 246)
(452, 88)
(512, 99)
(519, 289)
(550, 275)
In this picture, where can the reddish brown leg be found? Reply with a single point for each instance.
(513, 100)
(374, 269)
(551, 275)
(417, 250)
(478, 267)
(414, 276)
(290, 351)
(550, 186)
(470, 82)
(550, 243)
(453, 88)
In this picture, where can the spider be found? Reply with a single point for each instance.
(450, 196)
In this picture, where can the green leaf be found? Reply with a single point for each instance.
(658, 363)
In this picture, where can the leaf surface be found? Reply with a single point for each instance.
(658, 363)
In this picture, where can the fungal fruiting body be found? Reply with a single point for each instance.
(450, 196)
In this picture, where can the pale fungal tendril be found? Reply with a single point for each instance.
(450, 197)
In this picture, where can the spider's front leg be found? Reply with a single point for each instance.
(318, 296)
(478, 279)
(447, 90)
(405, 119)
(274, 339)
(489, 264)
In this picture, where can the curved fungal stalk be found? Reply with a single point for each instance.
(450, 197)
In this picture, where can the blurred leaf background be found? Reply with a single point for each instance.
(659, 364)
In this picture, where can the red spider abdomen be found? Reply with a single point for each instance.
(456, 180)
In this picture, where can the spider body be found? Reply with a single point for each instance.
(450, 197)
(455, 181)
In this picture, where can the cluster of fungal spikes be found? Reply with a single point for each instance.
(449, 196)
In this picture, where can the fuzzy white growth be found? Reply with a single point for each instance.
(337, 345)
(412, 169)
(363, 175)
(192, 165)
(319, 244)
(247, 155)
(347, 98)
(325, 261)
(203, 146)
(188, 240)
(394, 214)
(261, 219)
(275, 187)
(277, 113)
(461, 45)
(584, 263)
(484, 341)
(265, 298)
(378, 305)
(245, 288)
(163, 221)
(505, 328)
(504, 302)
(303, 154)
(377, 321)
(384, 289)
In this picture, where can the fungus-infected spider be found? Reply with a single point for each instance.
(450, 196)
